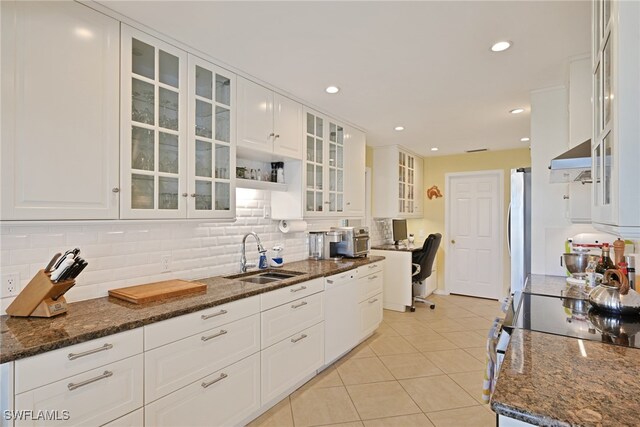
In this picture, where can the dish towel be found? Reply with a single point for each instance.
(489, 383)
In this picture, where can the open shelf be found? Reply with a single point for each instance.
(260, 185)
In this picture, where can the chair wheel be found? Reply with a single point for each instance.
(432, 306)
(412, 309)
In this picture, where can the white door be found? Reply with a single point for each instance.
(255, 116)
(60, 77)
(287, 123)
(473, 241)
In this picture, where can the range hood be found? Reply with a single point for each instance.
(573, 165)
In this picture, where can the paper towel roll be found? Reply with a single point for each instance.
(287, 226)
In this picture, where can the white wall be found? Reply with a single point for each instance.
(122, 253)
(549, 224)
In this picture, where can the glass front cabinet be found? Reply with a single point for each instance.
(616, 108)
(324, 165)
(177, 133)
(399, 173)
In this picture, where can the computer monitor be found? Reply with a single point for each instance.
(399, 230)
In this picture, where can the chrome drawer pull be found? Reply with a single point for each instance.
(301, 288)
(295, 340)
(373, 277)
(329, 281)
(74, 356)
(299, 305)
(210, 337)
(209, 316)
(373, 300)
(212, 382)
(105, 374)
(373, 266)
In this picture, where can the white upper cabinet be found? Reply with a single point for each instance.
(267, 121)
(616, 108)
(355, 148)
(154, 127)
(397, 183)
(211, 148)
(178, 132)
(59, 112)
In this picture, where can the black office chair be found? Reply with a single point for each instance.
(422, 264)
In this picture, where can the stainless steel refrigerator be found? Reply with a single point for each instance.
(519, 235)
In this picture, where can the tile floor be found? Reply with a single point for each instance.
(418, 369)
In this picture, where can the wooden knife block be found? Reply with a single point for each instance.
(41, 297)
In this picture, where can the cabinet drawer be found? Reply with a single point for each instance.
(375, 267)
(370, 311)
(55, 365)
(162, 333)
(134, 419)
(175, 365)
(370, 285)
(228, 401)
(91, 398)
(289, 361)
(290, 293)
(287, 319)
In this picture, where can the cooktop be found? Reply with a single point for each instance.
(576, 318)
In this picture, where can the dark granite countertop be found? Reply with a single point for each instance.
(550, 380)
(541, 284)
(95, 318)
(411, 247)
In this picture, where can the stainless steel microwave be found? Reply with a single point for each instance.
(355, 241)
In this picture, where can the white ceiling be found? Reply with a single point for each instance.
(423, 65)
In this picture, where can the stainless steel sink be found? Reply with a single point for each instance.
(261, 278)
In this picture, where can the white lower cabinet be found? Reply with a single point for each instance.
(370, 311)
(134, 419)
(286, 363)
(224, 398)
(94, 397)
(283, 321)
(175, 365)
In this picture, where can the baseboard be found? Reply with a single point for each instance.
(441, 292)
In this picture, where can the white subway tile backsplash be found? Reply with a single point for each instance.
(124, 254)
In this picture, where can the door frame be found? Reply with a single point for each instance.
(499, 173)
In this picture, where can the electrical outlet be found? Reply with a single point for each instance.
(267, 212)
(165, 262)
(10, 285)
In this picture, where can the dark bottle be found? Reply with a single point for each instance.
(605, 262)
(274, 172)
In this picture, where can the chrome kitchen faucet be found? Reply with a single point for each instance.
(243, 258)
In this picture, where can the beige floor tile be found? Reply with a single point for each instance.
(491, 312)
(362, 350)
(474, 323)
(391, 345)
(437, 393)
(410, 327)
(452, 361)
(416, 420)
(278, 416)
(448, 325)
(430, 342)
(410, 365)
(351, 424)
(327, 378)
(380, 400)
(391, 315)
(465, 339)
(479, 353)
(363, 370)
(385, 329)
(471, 382)
(475, 416)
(455, 312)
(318, 406)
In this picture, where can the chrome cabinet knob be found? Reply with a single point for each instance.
(193, 194)
(277, 136)
(115, 189)
(185, 194)
(453, 241)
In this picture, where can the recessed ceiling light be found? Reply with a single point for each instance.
(517, 110)
(332, 89)
(434, 149)
(399, 128)
(525, 139)
(501, 46)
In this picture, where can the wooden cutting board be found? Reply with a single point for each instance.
(149, 292)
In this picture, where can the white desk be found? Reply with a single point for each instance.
(397, 276)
